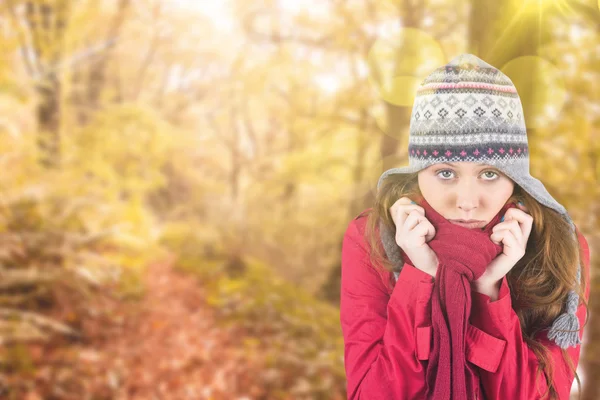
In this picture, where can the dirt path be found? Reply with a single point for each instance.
(164, 346)
(170, 347)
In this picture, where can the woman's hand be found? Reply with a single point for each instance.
(513, 234)
(413, 231)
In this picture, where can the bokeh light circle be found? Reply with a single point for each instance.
(398, 64)
(541, 88)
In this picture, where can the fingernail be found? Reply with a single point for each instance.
(502, 219)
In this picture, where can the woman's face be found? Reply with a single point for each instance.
(465, 191)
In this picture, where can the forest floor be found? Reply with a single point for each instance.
(166, 345)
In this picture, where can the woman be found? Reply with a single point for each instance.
(436, 308)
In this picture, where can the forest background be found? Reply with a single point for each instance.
(177, 176)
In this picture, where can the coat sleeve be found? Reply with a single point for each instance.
(385, 331)
(510, 372)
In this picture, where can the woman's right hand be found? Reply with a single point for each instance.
(413, 231)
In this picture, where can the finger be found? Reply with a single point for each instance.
(498, 237)
(506, 237)
(511, 228)
(511, 225)
(430, 233)
(528, 225)
(509, 241)
(399, 212)
(525, 220)
(412, 220)
(405, 203)
(422, 229)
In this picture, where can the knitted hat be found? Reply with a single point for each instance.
(468, 110)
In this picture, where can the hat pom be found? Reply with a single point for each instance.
(565, 329)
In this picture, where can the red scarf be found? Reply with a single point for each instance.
(464, 255)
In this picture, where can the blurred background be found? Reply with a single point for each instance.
(177, 176)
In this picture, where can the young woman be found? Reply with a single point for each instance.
(466, 279)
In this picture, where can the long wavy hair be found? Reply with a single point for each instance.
(538, 283)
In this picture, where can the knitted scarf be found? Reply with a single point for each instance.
(463, 254)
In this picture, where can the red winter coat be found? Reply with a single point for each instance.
(387, 333)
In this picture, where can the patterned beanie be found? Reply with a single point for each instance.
(468, 110)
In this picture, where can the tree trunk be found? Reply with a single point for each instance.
(47, 26)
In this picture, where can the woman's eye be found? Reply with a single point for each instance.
(445, 176)
(490, 172)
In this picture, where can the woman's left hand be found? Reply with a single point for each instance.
(513, 234)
